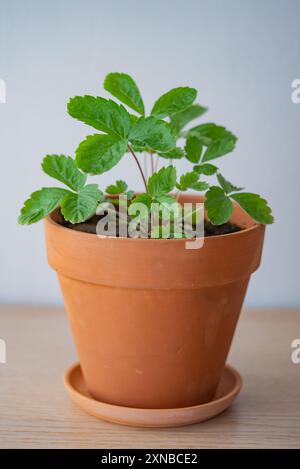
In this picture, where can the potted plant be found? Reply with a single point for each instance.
(152, 321)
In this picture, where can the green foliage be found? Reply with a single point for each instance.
(99, 153)
(40, 204)
(255, 206)
(64, 169)
(217, 140)
(124, 88)
(193, 148)
(124, 135)
(152, 133)
(206, 168)
(162, 182)
(175, 100)
(218, 205)
(191, 181)
(226, 185)
(181, 119)
(118, 188)
(77, 208)
(102, 114)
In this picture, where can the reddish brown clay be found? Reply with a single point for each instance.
(152, 321)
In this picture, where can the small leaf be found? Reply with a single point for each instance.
(102, 114)
(218, 140)
(174, 154)
(124, 88)
(162, 182)
(64, 169)
(175, 100)
(118, 188)
(181, 119)
(143, 199)
(40, 204)
(255, 206)
(130, 194)
(77, 208)
(218, 205)
(99, 153)
(166, 199)
(191, 181)
(152, 133)
(226, 185)
(206, 168)
(193, 149)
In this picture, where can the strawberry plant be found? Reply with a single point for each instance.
(127, 132)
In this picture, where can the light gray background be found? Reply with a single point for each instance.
(241, 55)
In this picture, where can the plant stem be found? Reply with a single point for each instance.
(152, 163)
(139, 166)
(156, 164)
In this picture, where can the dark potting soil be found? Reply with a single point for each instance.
(89, 226)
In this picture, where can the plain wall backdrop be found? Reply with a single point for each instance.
(242, 56)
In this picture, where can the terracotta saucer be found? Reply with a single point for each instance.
(229, 387)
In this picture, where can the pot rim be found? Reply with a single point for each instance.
(242, 232)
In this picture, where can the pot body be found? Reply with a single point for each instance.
(153, 321)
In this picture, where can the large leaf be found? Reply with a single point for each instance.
(64, 169)
(77, 208)
(218, 140)
(191, 181)
(123, 87)
(226, 185)
(99, 153)
(218, 205)
(181, 119)
(118, 188)
(152, 133)
(255, 206)
(40, 204)
(100, 113)
(174, 101)
(162, 182)
(193, 148)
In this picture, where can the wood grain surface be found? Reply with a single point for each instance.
(36, 412)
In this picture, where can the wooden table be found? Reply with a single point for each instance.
(36, 412)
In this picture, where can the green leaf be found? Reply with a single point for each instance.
(193, 149)
(175, 100)
(64, 169)
(123, 87)
(226, 185)
(118, 188)
(206, 168)
(130, 194)
(152, 133)
(181, 119)
(143, 199)
(218, 140)
(102, 114)
(77, 208)
(218, 205)
(166, 199)
(40, 204)
(99, 153)
(255, 206)
(191, 181)
(162, 182)
(174, 154)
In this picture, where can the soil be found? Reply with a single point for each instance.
(89, 226)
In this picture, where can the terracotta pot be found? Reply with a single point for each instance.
(152, 321)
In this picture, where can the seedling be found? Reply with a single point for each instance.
(123, 134)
